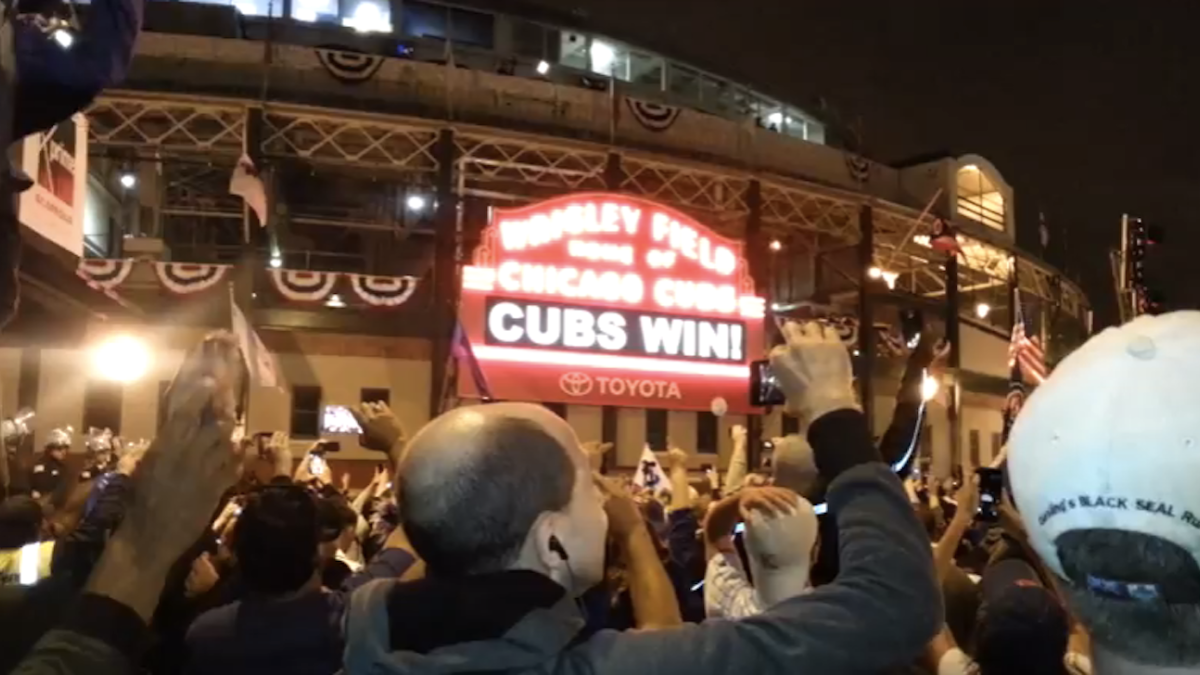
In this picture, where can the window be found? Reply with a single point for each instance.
(252, 7)
(529, 40)
(422, 19)
(973, 449)
(656, 429)
(606, 57)
(368, 16)
(706, 433)
(608, 434)
(683, 81)
(472, 28)
(646, 70)
(979, 197)
(102, 406)
(790, 424)
(559, 409)
(574, 50)
(324, 11)
(375, 396)
(306, 412)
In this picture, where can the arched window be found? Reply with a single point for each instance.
(980, 197)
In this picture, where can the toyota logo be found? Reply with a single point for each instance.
(575, 384)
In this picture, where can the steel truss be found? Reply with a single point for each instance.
(511, 166)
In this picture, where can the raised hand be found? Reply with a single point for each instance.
(381, 429)
(814, 370)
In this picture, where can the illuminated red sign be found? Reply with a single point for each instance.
(607, 299)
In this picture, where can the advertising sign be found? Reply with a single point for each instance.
(57, 163)
(605, 299)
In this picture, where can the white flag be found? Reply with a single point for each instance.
(649, 474)
(246, 183)
(260, 362)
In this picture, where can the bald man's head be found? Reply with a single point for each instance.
(474, 481)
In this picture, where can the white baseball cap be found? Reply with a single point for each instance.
(1111, 440)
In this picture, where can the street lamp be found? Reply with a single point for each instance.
(122, 358)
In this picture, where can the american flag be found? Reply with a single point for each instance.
(1025, 354)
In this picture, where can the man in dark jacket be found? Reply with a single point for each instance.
(498, 500)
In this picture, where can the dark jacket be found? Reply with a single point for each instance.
(881, 611)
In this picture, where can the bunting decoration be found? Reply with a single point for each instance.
(347, 65)
(184, 278)
(652, 116)
(105, 274)
(383, 291)
(304, 286)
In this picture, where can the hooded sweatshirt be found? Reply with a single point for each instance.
(885, 597)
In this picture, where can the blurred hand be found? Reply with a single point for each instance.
(182, 476)
(675, 459)
(381, 429)
(202, 577)
(624, 516)
(768, 500)
(595, 448)
(738, 433)
(131, 458)
(345, 482)
(968, 499)
(813, 370)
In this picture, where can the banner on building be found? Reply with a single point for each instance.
(56, 161)
(606, 299)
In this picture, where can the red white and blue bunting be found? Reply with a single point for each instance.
(104, 274)
(304, 286)
(653, 116)
(383, 291)
(183, 278)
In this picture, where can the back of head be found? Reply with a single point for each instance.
(276, 538)
(1102, 462)
(794, 467)
(475, 480)
(20, 522)
(780, 551)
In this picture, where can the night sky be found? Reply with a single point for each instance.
(1089, 108)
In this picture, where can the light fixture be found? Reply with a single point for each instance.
(415, 203)
(276, 261)
(890, 278)
(776, 245)
(875, 273)
(775, 118)
(335, 300)
(603, 56)
(122, 358)
(929, 386)
(970, 167)
(982, 310)
(128, 179)
(63, 37)
(543, 67)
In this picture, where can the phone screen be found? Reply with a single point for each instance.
(337, 419)
(991, 488)
(316, 465)
(764, 388)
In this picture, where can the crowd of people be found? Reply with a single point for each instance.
(489, 542)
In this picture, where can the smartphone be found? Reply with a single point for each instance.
(337, 419)
(991, 489)
(260, 443)
(764, 388)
